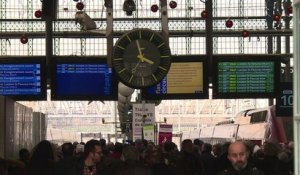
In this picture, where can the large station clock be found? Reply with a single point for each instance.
(141, 58)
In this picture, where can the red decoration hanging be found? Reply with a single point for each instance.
(38, 14)
(173, 4)
(79, 5)
(290, 9)
(276, 17)
(229, 23)
(245, 33)
(24, 39)
(154, 8)
(204, 14)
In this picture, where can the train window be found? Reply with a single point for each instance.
(258, 117)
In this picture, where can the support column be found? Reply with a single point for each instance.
(109, 33)
(2, 126)
(296, 116)
(164, 20)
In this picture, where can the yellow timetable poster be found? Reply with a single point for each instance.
(185, 78)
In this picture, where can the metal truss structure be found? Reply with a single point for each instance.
(187, 31)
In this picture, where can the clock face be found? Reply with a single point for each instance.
(141, 58)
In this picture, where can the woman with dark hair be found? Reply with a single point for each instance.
(42, 160)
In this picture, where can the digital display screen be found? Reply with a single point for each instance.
(88, 79)
(242, 78)
(23, 78)
(284, 101)
(186, 79)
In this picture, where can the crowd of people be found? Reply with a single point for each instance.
(96, 157)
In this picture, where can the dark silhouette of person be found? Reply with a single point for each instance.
(66, 165)
(42, 160)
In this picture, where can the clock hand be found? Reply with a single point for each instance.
(142, 58)
(139, 50)
(140, 55)
(134, 69)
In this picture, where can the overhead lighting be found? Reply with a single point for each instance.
(129, 7)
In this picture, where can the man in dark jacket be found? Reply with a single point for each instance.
(238, 155)
(188, 163)
(208, 159)
(66, 165)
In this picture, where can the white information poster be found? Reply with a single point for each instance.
(148, 132)
(139, 110)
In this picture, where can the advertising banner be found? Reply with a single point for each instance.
(142, 114)
(148, 132)
(165, 133)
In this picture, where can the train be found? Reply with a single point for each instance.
(256, 125)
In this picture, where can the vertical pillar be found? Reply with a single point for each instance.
(270, 9)
(49, 46)
(109, 32)
(241, 13)
(269, 18)
(188, 28)
(2, 126)
(287, 75)
(209, 36)
(296, 30)
(116, 121)
(3, 42)
(164, 20)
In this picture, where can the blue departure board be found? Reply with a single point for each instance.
(23, 78)
(83, 80)
(186, 79)
(246, 78)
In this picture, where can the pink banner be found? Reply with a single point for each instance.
(165, 133)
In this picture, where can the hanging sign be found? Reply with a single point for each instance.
(142, 114)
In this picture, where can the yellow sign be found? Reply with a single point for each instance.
(185, 78)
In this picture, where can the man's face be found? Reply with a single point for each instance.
(97, 154)
(238, 155)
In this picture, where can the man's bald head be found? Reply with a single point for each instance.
(238, 155)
